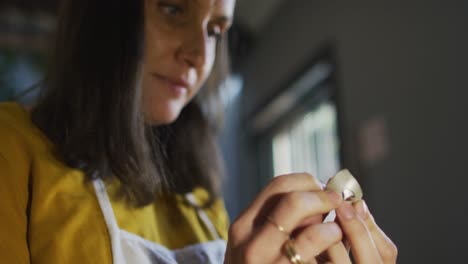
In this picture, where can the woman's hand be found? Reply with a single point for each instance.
(292, 206)
(294, 202)
(368, 242)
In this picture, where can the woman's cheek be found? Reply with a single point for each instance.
(208, 67)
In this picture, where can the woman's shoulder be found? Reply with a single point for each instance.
(12, 126)
(12, 113)
(16, 127)
(21, 142)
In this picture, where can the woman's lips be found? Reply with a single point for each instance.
(177, 86)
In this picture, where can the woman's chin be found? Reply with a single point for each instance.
(161, 118)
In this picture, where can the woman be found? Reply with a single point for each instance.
(117, 163)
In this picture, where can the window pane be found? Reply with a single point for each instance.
(309, 145)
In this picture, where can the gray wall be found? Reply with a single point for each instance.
(407, 63)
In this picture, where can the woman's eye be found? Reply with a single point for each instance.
(170, 9)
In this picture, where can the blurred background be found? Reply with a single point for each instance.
(377, 87)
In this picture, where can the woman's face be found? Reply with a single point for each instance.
(180, 49)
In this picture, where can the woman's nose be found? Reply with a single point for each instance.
(194, 48)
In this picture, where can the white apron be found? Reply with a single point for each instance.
(128, 248)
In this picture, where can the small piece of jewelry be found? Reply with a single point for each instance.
(279, 227)
(291, 253)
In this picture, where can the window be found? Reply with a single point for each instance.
(309, 144)
(298, 129)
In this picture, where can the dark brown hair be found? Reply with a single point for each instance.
(90, 107)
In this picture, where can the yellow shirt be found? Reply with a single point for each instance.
(50, 214)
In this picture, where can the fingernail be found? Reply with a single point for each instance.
(332, 229)
(346, 211)
(361, 209)
(334, 197)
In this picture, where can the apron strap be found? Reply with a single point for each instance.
(109, 217)
(203, 216)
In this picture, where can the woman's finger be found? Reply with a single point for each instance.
(387, 249)
(260, 207)
(338, 253)
(314, 240)
(294, 207)
(295, 182)
(363, 247)
(290, 211)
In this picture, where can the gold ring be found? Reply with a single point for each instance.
(291, 253)
(279, 227)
